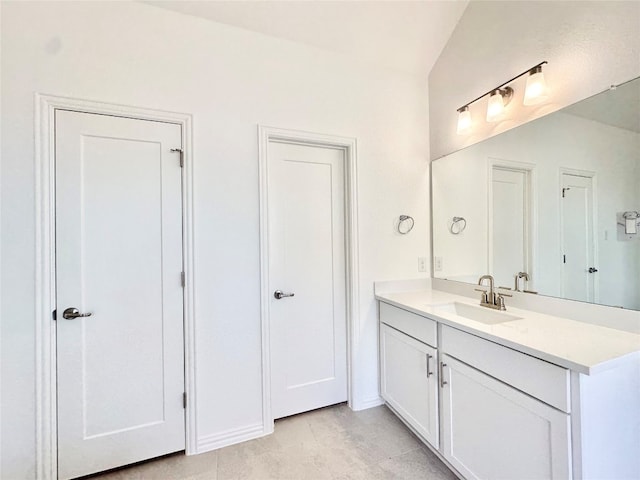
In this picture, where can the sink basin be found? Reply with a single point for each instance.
(479, 314)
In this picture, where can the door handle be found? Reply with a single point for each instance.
(278, 294)
(72, 312)
(592, 270)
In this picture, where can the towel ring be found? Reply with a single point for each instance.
(409, 227)
(458, 225)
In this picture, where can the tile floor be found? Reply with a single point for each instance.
(331, 443)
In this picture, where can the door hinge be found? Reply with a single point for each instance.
(181, 152)
(54, 315)
(184, 399)
(564, 259)
(564, 190)
(183, 280)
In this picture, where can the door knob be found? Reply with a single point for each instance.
(72, 312)
(592, 270)
(278, 294)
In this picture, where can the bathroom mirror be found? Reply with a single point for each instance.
(551, 207)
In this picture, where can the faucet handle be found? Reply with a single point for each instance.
(500, 300)
(484, 298)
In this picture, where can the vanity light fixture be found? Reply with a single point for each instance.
(536, 90)
(464, 120)
(499, 97)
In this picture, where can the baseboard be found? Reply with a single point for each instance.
(207, 443)
(368, 403)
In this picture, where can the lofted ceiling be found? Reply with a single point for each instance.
(396, 34)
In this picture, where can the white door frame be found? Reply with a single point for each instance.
(348, 145)
(45, 304)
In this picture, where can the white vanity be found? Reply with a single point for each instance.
(511, 395)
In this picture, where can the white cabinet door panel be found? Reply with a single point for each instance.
(409, 381)
(492, 431)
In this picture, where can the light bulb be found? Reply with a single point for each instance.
(464, 120)
(536, 90)
(495, 107)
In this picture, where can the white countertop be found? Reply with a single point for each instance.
(582, 347)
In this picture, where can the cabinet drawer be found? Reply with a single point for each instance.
(536, 377)
(421, 328)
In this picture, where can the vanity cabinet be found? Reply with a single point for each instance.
(491, 411)
(409, 381)
(492, 430)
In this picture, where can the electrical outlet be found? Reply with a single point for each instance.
(437, 264)
(422, 264)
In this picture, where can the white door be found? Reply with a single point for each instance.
(510, 218)
(493, 431)
(119, 258)
(578, 249)
(409, 381)
(306, 220)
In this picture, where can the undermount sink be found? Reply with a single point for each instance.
(478, 314)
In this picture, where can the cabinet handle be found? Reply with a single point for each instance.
(429, 372)
(442, 382)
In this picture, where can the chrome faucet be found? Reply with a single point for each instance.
(491, 299)
(520, 275)
(490, 294)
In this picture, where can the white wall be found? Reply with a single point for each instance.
(230, 80)
(589, 46)
(560, 140)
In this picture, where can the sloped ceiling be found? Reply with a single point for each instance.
(401, 35)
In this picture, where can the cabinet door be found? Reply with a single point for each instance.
(493, 431)
(409, 381)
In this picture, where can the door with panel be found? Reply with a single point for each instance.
(493, 431)
(119, 329)
(409, 381)
(510, 242)
(579, 279)
(307, 277)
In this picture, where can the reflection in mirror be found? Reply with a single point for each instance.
(551, 206)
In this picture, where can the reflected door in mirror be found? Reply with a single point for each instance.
(578, 281)
(510, 218)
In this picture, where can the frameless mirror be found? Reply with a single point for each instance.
(550, 207)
